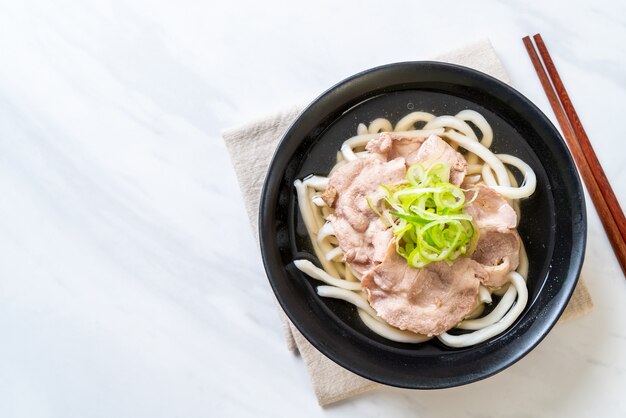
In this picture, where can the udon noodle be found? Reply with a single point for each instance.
(342, 282)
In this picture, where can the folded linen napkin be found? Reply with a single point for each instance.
(251, 147)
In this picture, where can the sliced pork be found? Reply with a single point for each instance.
(361, 249)
(428, 301)
(362, 236)
(389, 146)
(490, 210)
(499, 244)
(436, 150)
(419, 150)
(498, 253)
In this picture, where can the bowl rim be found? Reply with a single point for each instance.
(345, 87)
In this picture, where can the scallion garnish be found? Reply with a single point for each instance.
(429, 217)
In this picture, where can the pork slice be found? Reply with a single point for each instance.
(364, 249)
(361, 234)
(435, 150)
(490, 210)
(389, 146)
(498, 253)
(429, 300)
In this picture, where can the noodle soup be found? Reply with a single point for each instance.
(497, 291)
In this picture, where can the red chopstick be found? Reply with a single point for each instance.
(602, 195)
(583, 139)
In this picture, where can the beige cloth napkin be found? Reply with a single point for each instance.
(251, 147)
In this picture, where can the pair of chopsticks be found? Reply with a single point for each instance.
(589, 167)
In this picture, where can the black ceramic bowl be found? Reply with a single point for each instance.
(552, 226)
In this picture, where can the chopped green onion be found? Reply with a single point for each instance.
(428, 217)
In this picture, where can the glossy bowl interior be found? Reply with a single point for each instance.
(552, 225)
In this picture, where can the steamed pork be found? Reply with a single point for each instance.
(436, 150)
(498, 252)
(389, 146)
(417, 150)
(361, 233)
(499, 243)
(428, 301)
(489, 210)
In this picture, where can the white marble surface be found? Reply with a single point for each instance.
(130, 284)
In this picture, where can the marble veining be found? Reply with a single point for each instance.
(130, 283)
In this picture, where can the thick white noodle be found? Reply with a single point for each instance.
(341, 269)
(353, 297)
(318, 183)
(315, 272)
(349, 276)
(477, 311)
(472, 179)
(310, 222)
(487, 156)
(492, 330)
(325, 231)
(334, 255)
(522, 269)
(407, 123)
(514, 202)
(501, 290)
(511, 178)
(361, 140)
(481, 123)
(379, 125)
(318, 201)
(483, 294)
(474, 169)
(389, 332)
(354, 272)
(361, 129)
(528, 185)
(488, 178)
(310, 193)
(305, 210)
(452, 122)
(494, 316)
(490, 181)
